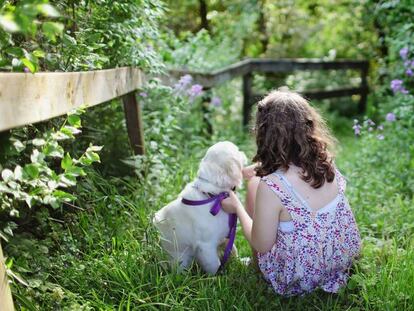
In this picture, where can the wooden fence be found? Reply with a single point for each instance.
(6, 301)
(29, 98)
(247, 68)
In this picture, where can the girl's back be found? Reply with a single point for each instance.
(317, 236)
(315, 198)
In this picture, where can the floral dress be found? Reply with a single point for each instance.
(320, 248)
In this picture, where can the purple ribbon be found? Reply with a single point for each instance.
(214, 211)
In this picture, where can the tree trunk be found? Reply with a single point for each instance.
(203, 15)
(264, 38)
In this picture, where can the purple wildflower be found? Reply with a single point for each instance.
(195, 90)
(407, 63)
(183, 83)
(370, 129)
(404, 53)
(380, 137)
(370, 122)
(26, 70)
(390, 117)
(357, 129)
(397, 86)
(380, 127)
(143, 94)
(216, 101)
(409, 72)
(186, 80)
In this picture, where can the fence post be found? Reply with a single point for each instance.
(364, 85)
(247, 97)
(205, 108)
(134, 122)
(6, 301)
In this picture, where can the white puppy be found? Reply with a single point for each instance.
(189, 232)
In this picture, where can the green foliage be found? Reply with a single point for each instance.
(20, 25)
(73, 36)
(35, 179)
(100, 251)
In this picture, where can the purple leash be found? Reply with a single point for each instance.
(214, 211)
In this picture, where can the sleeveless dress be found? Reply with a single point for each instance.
(318, 250)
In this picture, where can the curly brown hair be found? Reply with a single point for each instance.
(289, 131)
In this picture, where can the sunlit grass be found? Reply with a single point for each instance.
(107, 257)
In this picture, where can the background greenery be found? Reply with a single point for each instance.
(77, 233)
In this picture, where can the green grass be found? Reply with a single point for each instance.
(107, 257)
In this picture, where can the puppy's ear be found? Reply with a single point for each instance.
(234, 171)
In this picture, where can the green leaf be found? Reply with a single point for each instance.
(7, 175)
(94, 148)
(15, 51)
(76, 171)
(68, 40)
(18, 145)
(52, 29)
(53, 150)
(64, 196)
(16, 277)
(39, 53)
(70, 131)
(18, 172)
(67, 180)
(52, 201)
(37, 156)
(8, 24)
(31, 170)
(74, 120)
(66, 162)
(30, 65)
(90, 156)
(38, 142)
(48, 10)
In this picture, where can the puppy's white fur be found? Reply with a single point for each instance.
(189, 232)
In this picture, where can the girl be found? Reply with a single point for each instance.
(297, 217)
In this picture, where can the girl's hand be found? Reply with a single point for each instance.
(231, 204)
(249, 172)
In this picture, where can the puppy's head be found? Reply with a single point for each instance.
(222, 165)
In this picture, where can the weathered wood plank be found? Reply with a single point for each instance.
(214, 78)
(325, 94)
(6, 301)
(134, 122)
(289, 65)
(217, 77)
(29, 98)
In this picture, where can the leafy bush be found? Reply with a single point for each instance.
(72, 36)
(36, 179)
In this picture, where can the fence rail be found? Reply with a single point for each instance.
(29, 98)
(247, 68)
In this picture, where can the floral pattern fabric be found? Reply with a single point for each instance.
(318, 252)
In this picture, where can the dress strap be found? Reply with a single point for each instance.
(291, 189)
(340, 179)
(283, 196)
(297, 209)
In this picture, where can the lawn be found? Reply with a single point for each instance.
(107, 257)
